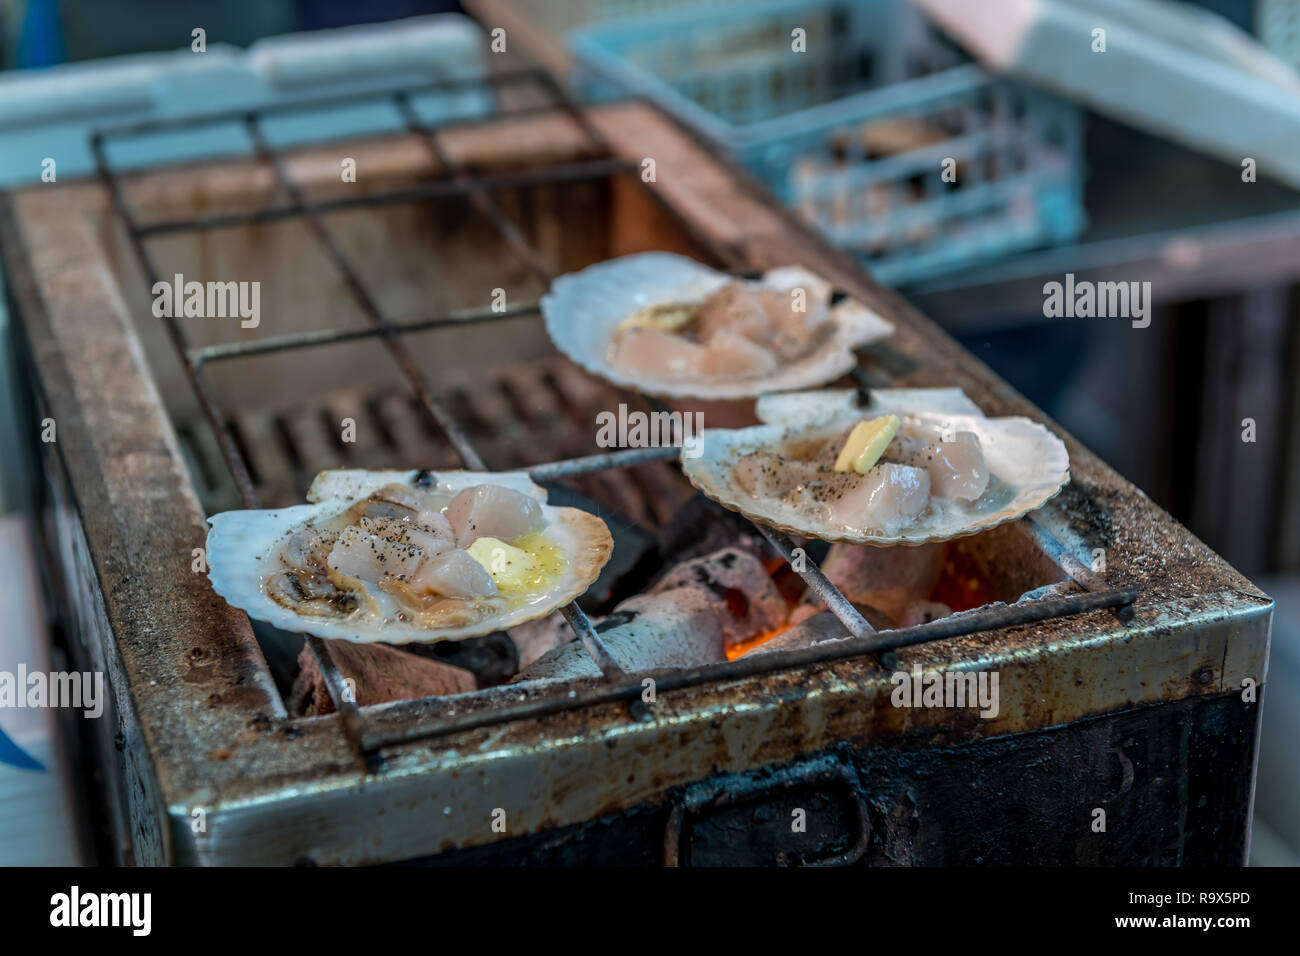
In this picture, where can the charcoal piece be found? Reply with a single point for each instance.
(535, 639)
(815, 628)
(491, 658)
(677, 628)
(891, 579)
(809, 627)
(629, 567)
(747, 601)
(702, 526)
(379, 674)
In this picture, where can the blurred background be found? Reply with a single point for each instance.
(1142, 180)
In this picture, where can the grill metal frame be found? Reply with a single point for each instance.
(617, 685)
(195, 729)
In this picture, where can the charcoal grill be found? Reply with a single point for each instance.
(1124, 694)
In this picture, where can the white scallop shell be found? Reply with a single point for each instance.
(243, 546)
(1030, 462)
(583, 309)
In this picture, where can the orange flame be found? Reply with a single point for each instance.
(744, 647)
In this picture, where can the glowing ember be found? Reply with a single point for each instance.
(963, 584)
(744, 647)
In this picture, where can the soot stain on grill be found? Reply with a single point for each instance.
(1088, 518)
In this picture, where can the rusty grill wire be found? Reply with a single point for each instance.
(616, 685)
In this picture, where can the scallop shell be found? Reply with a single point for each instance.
(583, 309)
(1030, 462)
(242, 548)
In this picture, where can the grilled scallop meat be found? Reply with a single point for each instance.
(407, 556)
(886, 496)
(739, 331)
(668, 325)
(890, 475)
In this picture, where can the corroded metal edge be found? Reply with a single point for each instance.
(132, 498)
(598, 763)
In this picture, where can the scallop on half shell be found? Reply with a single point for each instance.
(407, 556)
(999, 469)
(587, 311)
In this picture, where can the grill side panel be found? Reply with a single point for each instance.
(1173, 781)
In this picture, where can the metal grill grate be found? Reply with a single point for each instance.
(616, 685)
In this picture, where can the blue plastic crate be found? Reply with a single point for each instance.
(1278, 24)
(853, 132)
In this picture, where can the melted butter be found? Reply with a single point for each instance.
(547, 561)
(665, 316)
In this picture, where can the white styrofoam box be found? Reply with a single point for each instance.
(51, 113)
(38, 823)
(1169, 68)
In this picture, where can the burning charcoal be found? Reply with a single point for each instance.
(701, 527)
(380, 674)
(677, 628)
(822, 626)
(877, 619)
(746, 599)
(633, 550)
(923, 612)
(491, 658)
(665, 488)
(888, 579)
(533, 639)
(809, 626)
(616, 489)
